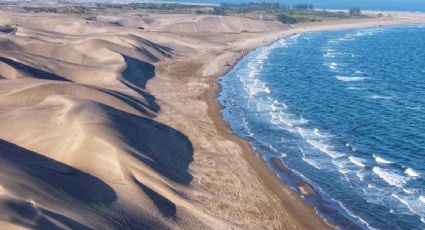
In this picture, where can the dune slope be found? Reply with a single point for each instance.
(104, 126)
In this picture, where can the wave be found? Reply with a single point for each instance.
(332, 65)
(354, 88)
(422, 199)
(413, 108)
(360, 175)
(390, 177)
(357, 161)
(350, 79)
(411, 172)
(376, 96)
(252, 84)
(325, 149)
(414, 205)
(311, 162)
(381, 160)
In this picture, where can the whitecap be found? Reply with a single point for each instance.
(333, 65)
(376, 96)
(353, 88)
(350, 79)
(317, 132)
(412, 204)
(402, 201)
(353, 215)
(311, 162)
(390, 177)
(360, 175)
(413, 108)
(357, 161)
(381, 160)
(407, 191)
(422, 199)
(325, 149)
(411, 172)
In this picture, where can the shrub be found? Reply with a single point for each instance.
(286, 19)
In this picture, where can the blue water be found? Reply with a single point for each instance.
(393, 5)
(345, 111)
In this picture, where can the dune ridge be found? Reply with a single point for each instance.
(108, 126)
(81, 146)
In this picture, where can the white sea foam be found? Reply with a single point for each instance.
(415, 205)
(354, 215)
(422, 199)
(391, 178)
(376, 96)
(411, 172)
(404, 202)
(325, 149)
(381, 160)
(353, 88)
(317, 140)
(407, 191)
(357, 161)
(311, 162)
(333, 65)
(413, 108)
(350, 79)
(360, 175)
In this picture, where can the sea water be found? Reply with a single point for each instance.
(345, 111)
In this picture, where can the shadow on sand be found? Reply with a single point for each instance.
(28, 173)
(136, 76)
(32, 71)
(162, 148)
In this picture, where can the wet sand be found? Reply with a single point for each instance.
(130, 116)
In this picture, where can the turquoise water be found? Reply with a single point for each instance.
(345, 111)
(393, 5)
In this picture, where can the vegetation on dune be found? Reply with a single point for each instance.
(288, 14)
(8, 28)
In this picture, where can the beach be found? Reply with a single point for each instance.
(131, 116)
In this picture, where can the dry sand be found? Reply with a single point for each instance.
(104, 126)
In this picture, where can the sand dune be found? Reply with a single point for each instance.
(78, 146)
(104, 125)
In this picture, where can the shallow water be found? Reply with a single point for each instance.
(345, 111)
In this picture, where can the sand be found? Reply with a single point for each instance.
(107, 126)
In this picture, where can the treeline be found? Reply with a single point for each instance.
(288, 14)
(226, 8)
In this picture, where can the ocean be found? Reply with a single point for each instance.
(385, 5)
(345, 112)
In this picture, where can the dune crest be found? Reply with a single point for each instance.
(79, 147)
(105, 125)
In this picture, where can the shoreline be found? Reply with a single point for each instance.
(277, 185)
(132, 116)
